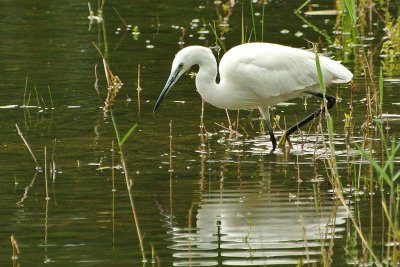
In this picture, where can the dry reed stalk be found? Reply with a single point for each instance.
(45, 173)
(231, 132)
(170, 147)
(107, 72)
(113, 81)
(46, 219)
(37, 97)
(27, 145)
(331, 240)
(15, 248)
(53, 162)
(113, 187)
(276, 120)
(91, 13)
(138, 89)
(26, 87)
(113, 85)
(135, 217)
(170, 171)
(120, 17)
(237, 123)
(202, 114)
(304, 233)
(202, 125)
(51, 97)
(338, 188)
(96, 83)
(101, 5)
(26, 191)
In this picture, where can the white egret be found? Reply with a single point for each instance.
(257, 75)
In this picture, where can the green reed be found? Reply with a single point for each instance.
(380, 89)
(263, 22)
(383, 172)
(218, 40)
(352, 10)
(388, 176)
(332, 161)
(253, 21)
(128, 182)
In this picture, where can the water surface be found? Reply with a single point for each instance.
(228, 201)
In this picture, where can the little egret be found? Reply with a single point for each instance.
(257, 75)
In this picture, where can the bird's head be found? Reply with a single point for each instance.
(183, 60)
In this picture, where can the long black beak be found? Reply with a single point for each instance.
(170, 82)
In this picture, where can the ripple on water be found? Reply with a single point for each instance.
(250, 225)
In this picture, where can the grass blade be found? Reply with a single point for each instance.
(217, 39)
(380, 89)
(128, 134)
(378, 169)
(301, 7)
(115, 128)
(319, 71)
(351, 8)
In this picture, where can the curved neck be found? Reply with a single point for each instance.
(206, 79)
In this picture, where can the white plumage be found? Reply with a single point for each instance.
(257, 75)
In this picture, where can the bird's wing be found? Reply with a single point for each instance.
(270, 70)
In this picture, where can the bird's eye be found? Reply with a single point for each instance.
(180, 66)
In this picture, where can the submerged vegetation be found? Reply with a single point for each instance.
(216, 197)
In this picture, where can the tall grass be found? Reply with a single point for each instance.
(379, 152)
(388, 177)
(332, 162)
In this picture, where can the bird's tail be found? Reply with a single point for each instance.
(340, 73)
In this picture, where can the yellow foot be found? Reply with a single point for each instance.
(283, 140)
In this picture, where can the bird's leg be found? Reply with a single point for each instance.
(271, 134)
(267, 118)
(331, 100)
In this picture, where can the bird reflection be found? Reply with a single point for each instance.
(252, 223)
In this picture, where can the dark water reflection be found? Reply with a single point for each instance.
(228, 200)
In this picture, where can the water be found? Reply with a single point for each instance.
(226, 202)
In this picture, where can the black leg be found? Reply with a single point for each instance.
(265, 114)
(271, 134)
(331, 100)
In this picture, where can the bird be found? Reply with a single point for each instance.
(258, 76)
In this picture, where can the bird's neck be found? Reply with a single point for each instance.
(206, 80)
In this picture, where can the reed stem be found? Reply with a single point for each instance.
(27, 145)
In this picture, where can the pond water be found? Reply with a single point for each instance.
(201, 196)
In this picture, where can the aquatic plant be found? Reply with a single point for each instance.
(391, 44)
(128, 181)
(388, 175)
